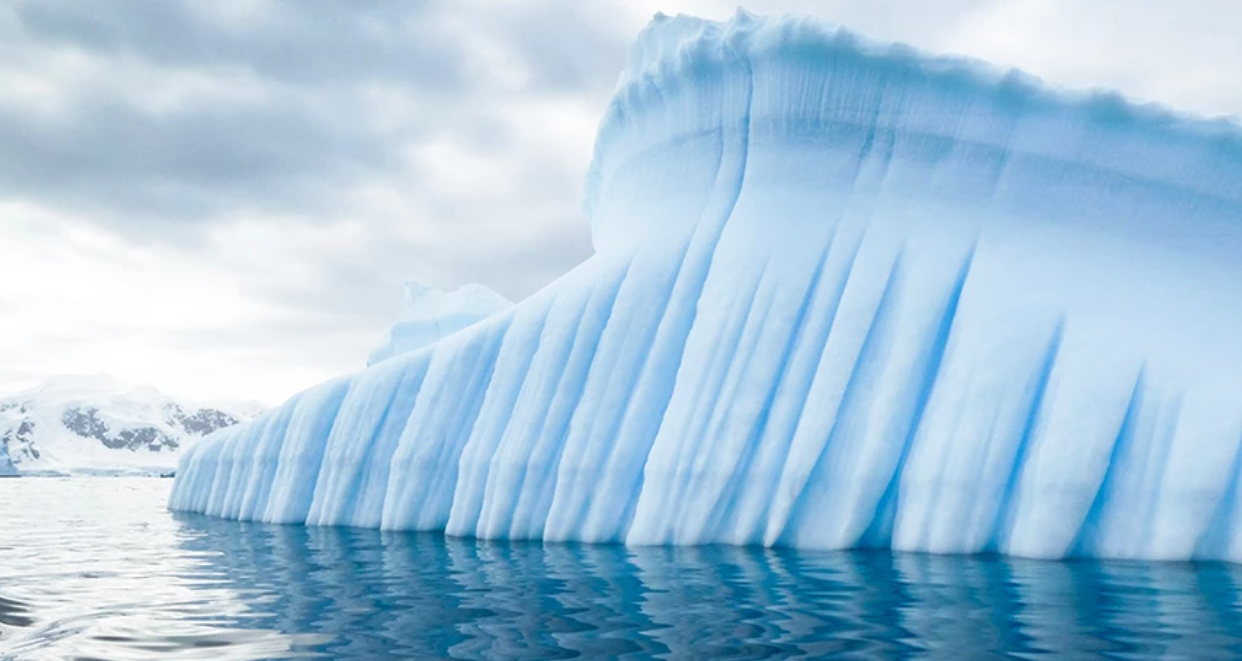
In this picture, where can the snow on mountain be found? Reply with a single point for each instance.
(430, 315)
(844, 294)
(7, 469)
(97, 424)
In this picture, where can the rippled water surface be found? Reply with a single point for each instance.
(98, 569)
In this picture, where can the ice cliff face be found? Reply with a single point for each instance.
(843, 295)
(429, 315)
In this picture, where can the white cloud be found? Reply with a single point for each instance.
(1181, 54)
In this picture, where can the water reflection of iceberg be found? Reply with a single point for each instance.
(378, 595)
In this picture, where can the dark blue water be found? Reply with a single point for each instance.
(96, 568)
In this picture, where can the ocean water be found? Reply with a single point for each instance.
(97, 568)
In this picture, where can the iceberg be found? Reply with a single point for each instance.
(429, 315)
(844, 294)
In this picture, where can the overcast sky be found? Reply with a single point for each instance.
(223, 198)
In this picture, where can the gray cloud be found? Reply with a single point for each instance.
(307, 42)
(569, 47)
(128, 166)
(300, 134)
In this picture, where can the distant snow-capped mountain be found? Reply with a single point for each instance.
(100, 425)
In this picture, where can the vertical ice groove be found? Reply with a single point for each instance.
(511, 457)
(301, 454)
(1124, 522)
(1004, 521)
(226, 476)
(790, 403)
(717, 486)
(1088, 532)
(727, 494)
(735, 494)
(423, 473)
(227, 473)
(667, 477)
(510, 383)
(757, 321)
(610, 519)
(263, 461)
(610, 379)
(535, 496)
(1216, 539)
(443, 466)
(865, 361)
(1156, 467)
(879, 532)
(209, 462)
(362, 415)
(194, 474)
(371, 481)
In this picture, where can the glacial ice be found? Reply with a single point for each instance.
(843, 294)
(429, 315)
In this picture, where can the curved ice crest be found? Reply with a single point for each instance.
(844, 294)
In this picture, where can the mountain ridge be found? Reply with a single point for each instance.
(97, 424)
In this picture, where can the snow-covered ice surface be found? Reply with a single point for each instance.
(7, 469)
(96, 424)
(430, 315)
(844, 294)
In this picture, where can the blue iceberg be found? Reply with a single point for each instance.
(429, 315)
(843, 294)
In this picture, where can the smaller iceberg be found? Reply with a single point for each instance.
(430, 315)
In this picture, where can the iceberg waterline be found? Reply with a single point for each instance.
(843, 295)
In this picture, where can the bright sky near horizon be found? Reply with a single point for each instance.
(223, 199)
